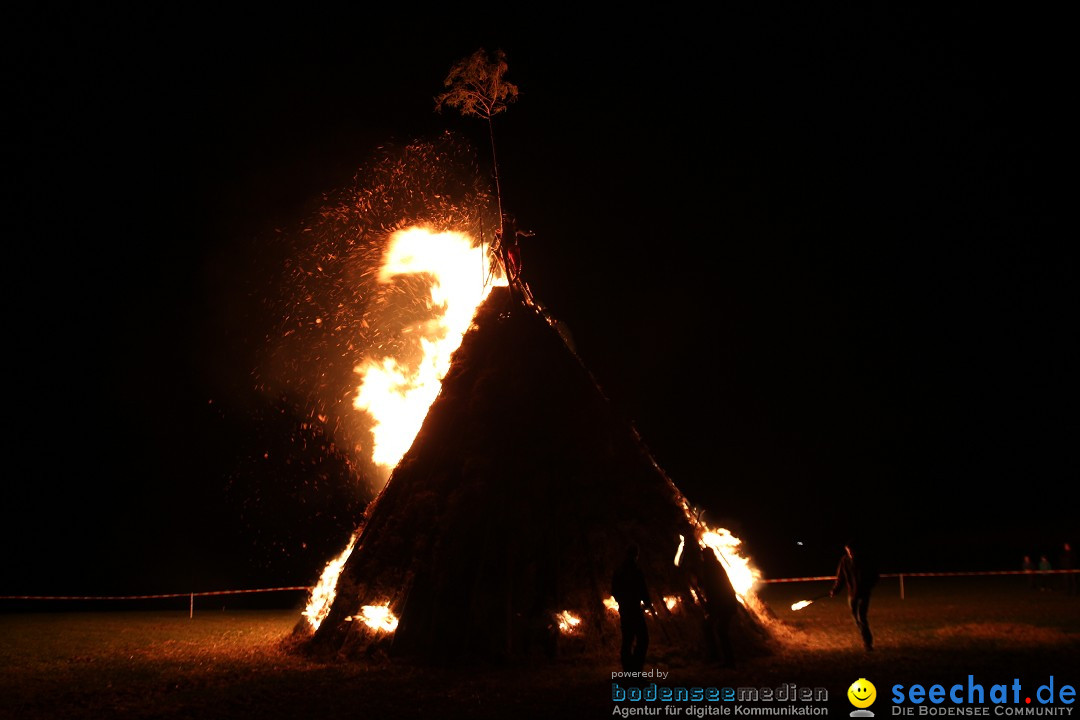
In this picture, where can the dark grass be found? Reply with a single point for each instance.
(235, 664)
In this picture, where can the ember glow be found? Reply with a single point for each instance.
(396, 394)
(567, 621)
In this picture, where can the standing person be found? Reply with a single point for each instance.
(630, 592)
(1068, 562)
(858, 574)
(507, 237)
(721, 603)
(509, 250)
(1029, 568)
(1044, 579)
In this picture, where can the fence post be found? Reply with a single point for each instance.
(901, 586)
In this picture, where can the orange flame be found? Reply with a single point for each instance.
(678, 553)
(801, 604)
(742, 574)
(396, 395)
(379, 617)
(568, 622)
(322, 596)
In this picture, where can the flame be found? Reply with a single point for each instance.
(610, 604)
(670, 601)
(801, 604)
(322, 596)
(397, 395)
(379, 617)
(742, 574)
(568, 622)
(678, 553)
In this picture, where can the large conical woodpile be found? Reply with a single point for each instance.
(516, 501)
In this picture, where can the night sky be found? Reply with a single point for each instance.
(816, 256)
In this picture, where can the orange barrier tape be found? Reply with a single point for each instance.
(927, 574)
(305, 588)
(151, 597)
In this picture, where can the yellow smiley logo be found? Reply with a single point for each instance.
(862, 693)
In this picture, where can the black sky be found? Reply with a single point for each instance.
(817, 256)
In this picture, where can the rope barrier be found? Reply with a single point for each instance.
(153, 597)
(307, 588)
(926, 574)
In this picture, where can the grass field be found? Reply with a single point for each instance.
(231, 664)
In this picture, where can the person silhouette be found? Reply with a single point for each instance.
(721, 603)
(509, 249)
(631, 593)
(1068, 562)
(857, 573)
(1044, 576)
(1029, 568)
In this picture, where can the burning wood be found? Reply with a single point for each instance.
(568, 622)
(804, 603)
(504, 462)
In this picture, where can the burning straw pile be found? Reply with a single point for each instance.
(498, 531)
